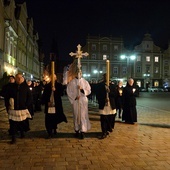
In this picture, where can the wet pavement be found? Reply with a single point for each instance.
(143, 146)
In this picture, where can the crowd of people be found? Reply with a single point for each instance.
(23, 98)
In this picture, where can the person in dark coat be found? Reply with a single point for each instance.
(129, 103)
(53, 115)
(20, 100)
(119, 98)
(5, 93)
(107, 106)
(5, 90)
(31, 107)
(38, 90)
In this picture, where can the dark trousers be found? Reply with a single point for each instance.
(50, 123)
(105, 123)
(112, 120)
(22, 126)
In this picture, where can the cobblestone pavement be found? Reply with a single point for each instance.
(143, 146)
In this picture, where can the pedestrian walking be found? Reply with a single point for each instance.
(38, 90)
(5, 93)
(107, 108)
(5, 89)
(31, 88)
(54, 113)
(119, 98)
(129, 102)
(77, 90)
(20, 100)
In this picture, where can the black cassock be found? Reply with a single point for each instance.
(51, 120)
(129, 104)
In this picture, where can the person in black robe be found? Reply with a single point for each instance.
(129, 103)
(53, 118)
(107, 117)
(5, 93)
(5, 89)
(119, 98)
(20, 100)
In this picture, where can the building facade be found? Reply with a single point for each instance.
(19, 51)
(147, 64)
(1, 35)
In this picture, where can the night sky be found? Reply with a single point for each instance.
(70, 21)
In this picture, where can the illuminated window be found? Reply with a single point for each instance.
(156, 59)
(148, 59)
(104, 57)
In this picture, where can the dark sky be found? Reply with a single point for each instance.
(70, 21)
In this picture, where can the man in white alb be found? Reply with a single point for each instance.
(77, 90)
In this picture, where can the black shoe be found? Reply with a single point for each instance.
(9, 131)
(55, 131)
(49, 136)
(22, 135)
(76, 134)
(82, 135)
(103, 136)
(13, 141)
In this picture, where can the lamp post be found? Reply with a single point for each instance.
(128, 59)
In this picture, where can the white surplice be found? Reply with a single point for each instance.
(80, 107)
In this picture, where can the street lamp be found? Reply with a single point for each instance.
(128, 59)
(86, 75)
(97, 73)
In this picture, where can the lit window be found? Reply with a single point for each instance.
(156, 59)
(104, 57)
(147, 58)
